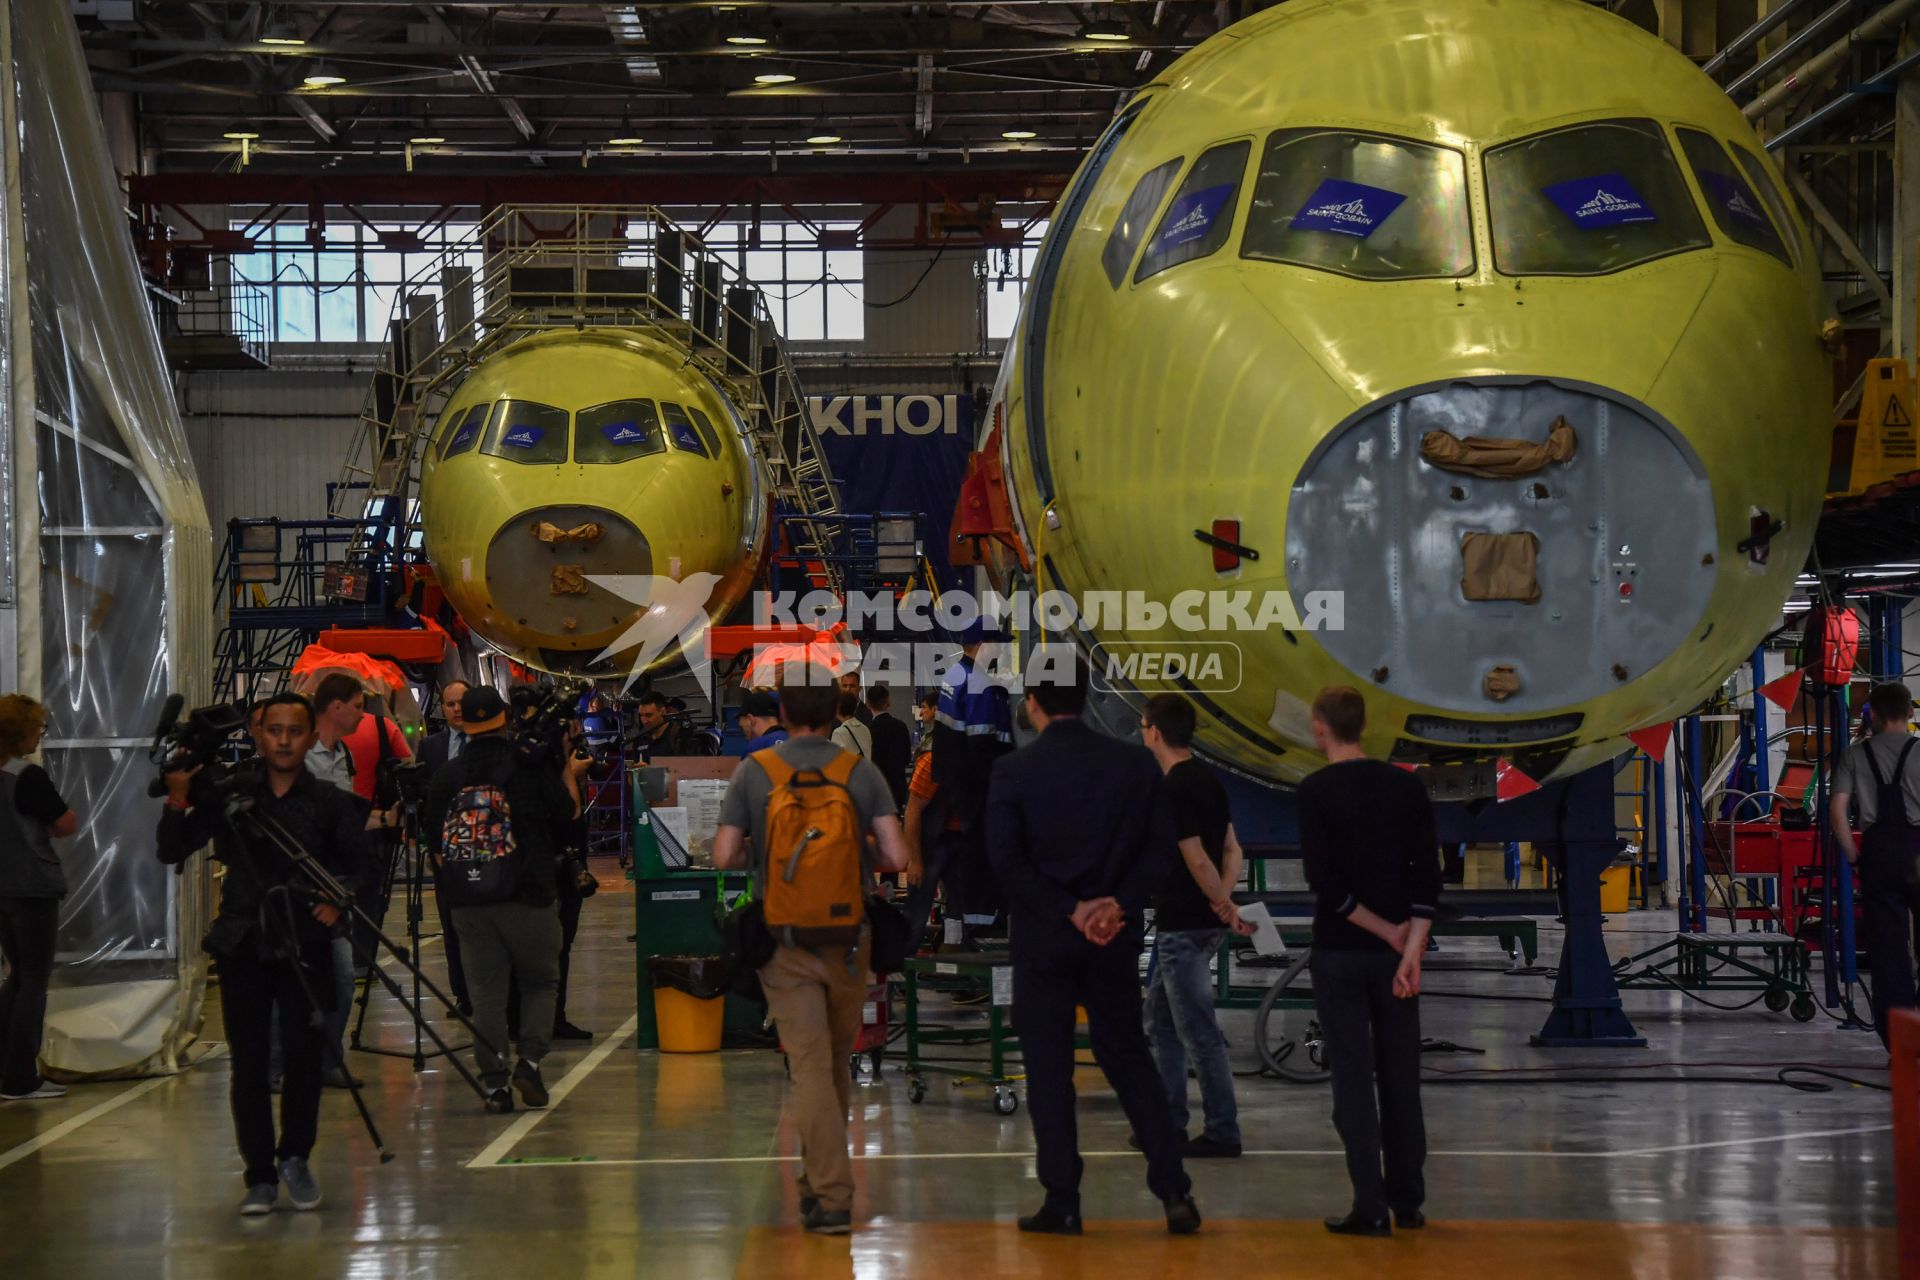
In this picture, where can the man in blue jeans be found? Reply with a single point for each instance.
(1193, 914)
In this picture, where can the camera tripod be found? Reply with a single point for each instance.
(321, 888)
(413, 854)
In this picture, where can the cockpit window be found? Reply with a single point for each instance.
(1132, 226)
(466, 434)
(1761, 180)
(1588, 200)
(529, 432)
(704, 425)
(1200, 218)
(1736, 208)
(617, 431)
(680, 430)
(1360, 205)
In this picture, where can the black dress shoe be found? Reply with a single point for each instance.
(1183, 1216)
(1051, 1222)
(1355, 1225)
(1205, 1148)
(1412, 1220)
(567, 1031)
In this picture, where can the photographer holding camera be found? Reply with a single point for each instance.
(494, 817)
(271, 941)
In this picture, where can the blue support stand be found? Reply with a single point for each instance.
(1572, 822)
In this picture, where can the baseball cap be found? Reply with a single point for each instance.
(483, 709)
(760, 702)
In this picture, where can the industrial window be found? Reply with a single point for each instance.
(1004, 272)
(617, 431)
(1360, 205)
(345, 289)
(1737, 210)
(462, 437)
(704, 425)
(528, 432)
(1132, 225)
(1200, 218)
(1762, 181)
(1588, 200)
(680, 430)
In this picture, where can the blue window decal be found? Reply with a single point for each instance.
(464, 436)
(1192, 214)
(1608, 200)
(626, 433)
(1732, 195)
(684, 436)
(523, 437)
(1347, 208)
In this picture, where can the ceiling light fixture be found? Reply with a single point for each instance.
(322, 77)
(426, 142)
(745, 40)
(625, 141)
(1108, 30)
(774, 77)
(240, 135)
(281, 31)
(823, 139)
(1019, 135)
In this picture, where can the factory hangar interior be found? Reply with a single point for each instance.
(1542, 369)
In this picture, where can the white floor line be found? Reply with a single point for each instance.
(497, 1150)
(1275, 1152)
(39, 1142)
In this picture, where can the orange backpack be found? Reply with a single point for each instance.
(813, 895)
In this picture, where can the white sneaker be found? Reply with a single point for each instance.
(47, 1089)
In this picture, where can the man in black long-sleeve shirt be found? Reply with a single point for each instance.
(1080, 836)
(1373, 861)
(270, 942)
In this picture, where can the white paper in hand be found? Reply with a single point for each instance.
(1266, 934)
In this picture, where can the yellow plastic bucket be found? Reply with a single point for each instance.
(1616, 889)
(687, 1024)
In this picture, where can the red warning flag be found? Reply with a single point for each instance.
(1783, 692)
(1653, 739)
(1509, 783)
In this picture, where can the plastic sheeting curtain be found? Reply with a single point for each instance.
(111, 568)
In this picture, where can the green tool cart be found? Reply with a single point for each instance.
(678, 905)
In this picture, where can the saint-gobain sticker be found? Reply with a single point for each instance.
(1608, 200)
(464, 436)
(623, 433)
(523, 437)
(1191, 216)
(1347, 208)
(684, 437)
(1732, 195)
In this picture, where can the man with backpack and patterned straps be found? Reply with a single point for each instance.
(800, 815)
(493, 818)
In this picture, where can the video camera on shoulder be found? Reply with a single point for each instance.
(203, 741)
(541, 717)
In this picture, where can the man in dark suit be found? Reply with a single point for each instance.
(1080, 835)
(437, 750)
(892, 744)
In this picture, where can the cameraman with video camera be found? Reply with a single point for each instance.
(494, 817)
(271, 941)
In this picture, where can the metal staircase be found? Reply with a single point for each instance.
(526, 269)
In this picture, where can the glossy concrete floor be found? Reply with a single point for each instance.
(678, 1166)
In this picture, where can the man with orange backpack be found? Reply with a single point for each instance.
(800, 815)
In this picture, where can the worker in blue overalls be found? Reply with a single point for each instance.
(1880, 777)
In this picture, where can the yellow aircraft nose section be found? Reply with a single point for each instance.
(1499, 550)
(540, 568)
